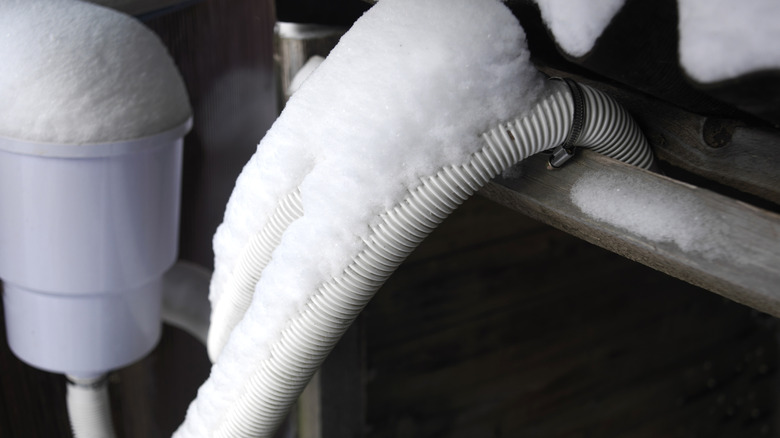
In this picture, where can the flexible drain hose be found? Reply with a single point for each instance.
(89, 409)
(309, 337)
(255, 257)
(611, 132)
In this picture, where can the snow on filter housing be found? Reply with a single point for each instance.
(724, 39)
(64, 77)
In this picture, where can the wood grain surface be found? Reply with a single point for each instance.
(500, 326)
(749, 274)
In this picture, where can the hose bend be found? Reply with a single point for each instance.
(311, 335)
(89, 409)
(610, 130)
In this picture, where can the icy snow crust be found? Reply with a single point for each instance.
(407, 90)
(76, 73)
(576, 25)
(652, 212)
(724, 39)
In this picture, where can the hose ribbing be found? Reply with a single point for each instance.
(237, 296)
(611, 131)
(89, 408)
(311, 335)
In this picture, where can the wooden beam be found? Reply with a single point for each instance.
(741, 154)
(749, 275)
(294, 45)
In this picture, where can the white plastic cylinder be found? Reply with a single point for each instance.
(86, 233)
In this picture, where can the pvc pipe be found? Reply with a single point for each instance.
(310, 336)
(89, 407)
(185, 301)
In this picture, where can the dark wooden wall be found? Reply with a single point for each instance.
(499, 326)
(223, 50)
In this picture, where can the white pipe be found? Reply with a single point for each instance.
(185, 303)
(310, 336)
(89, 408)
(91, 264)
(185, 306)
(241, 285)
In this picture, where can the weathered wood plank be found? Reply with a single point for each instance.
(749, 273)
(734, 153)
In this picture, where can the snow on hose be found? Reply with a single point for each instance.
(420, 105)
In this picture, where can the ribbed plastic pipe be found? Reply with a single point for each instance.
(256, 255)
(89, 409)
(310, 336)
(610, 130)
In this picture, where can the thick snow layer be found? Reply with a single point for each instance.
(653, 212)
(74, 73)
(407, 90)
(723, 39)
(576, 25)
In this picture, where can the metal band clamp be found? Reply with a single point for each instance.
(563, 152)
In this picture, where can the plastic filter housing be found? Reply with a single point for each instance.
(94, 112)
(86, 232)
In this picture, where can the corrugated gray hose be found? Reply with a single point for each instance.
(89, 409)
(599, 123)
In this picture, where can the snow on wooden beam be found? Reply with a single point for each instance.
(739, 258)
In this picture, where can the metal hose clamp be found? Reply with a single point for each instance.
(563, 152)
